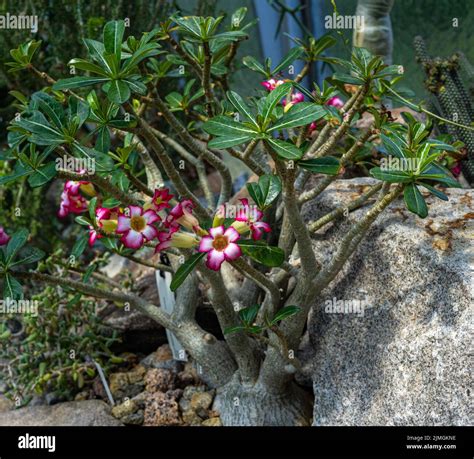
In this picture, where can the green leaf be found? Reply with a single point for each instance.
(51, 107)
(265, 191)
(342, 77)
(79, 246)
(284, 313)
(253, 64)
(77, 82)
(440, 174)
(224, 126)
(28, 255)
(83, 64)
(292, 56)
(12, 288)
(91, 208)
(185, 269)
(328, 165)
(393, 146)
(118, 92)
(17, 241)
(391, 176)
(42, 175)
(439, 194)
(110, 203)
(113, 37)
(299, 115)
(241, 106)
(249, 314)
(102, 142)
(227, 142)
(285, 150)
(273, 99)
(235, 329)
(261, 252)
(414, 200)
(83, 221)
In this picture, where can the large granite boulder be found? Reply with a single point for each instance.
(85, 413)
(389, 341)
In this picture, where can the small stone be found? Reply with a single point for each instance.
(212, 422)
(5, 404)
(135, 419)
(185, 402)
(140, 399)
(191, 418)
(160, 410)
(175, 393)
(124, 409)
(117, 383)
(158, 379)
(164, 353)
(201, 402)
(98, 389)
(137, 374)
(84, 395)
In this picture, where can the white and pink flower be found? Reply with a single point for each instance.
(271, 84)
(251, 218)
(136, 226)
(182, 214)
(71, 203)
(220, 246)
(4, 237)
(160, 199)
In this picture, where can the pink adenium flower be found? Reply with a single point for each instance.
(271, 84)
(4, 237)
(71, 203)
(295, 98)
(335, 102)
(251, 217)
(137, 227)
(160, 199)
(220, 246)
(181, 214)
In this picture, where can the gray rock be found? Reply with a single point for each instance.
(404, 358)
(86, 413)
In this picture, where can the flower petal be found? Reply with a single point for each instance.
(217, 231)
(150, 232)
(151, 216)
(135, 210)
(123, 224)
(132, 240)
(206, 244)
(231, 234)
(215, 260)
(232, 251)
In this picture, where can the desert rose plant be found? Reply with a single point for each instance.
(248, 252)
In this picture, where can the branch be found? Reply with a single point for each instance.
(206, 78)
(336, 213)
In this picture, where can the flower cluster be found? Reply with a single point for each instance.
(168, 226)
(72, 201)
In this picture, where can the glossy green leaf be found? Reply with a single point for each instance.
(113, 37)
(17, 241)
(185, 269)
(328, 165)
(118, 92)
(241, 106)
(273, 99)
(414, 200)
(261, 252)
(285, 150)
(227, 127)
(43, 175)
(77, 82)
(299, 115)
(27, 256)
(227, 142)
(391, 176)
(12, 288)
(284, 313)
(249, 314)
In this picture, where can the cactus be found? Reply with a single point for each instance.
(454, 101)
